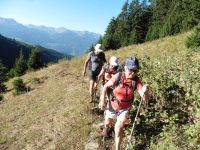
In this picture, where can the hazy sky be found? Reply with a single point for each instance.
(81, 15)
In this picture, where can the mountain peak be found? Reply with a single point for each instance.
(8, 21)
(61, 39)
(61, 30)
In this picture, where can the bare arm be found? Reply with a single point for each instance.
(85, 66)
(102, 103)
(101, 74)
(104, 91)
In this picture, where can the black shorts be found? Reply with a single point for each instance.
(94, 75)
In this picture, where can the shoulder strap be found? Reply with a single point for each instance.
(117, 81)
(111, 96)
(107, 68)
(120, 68)
(92, 53)
(134, 83)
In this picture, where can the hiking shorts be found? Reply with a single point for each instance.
(117, 114)
(94, 75)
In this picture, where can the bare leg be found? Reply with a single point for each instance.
(107, 121)
(92, 90)
(119, 133)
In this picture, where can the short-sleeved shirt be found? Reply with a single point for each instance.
(96, 61)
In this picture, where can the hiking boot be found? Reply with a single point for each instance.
(91, 99)
(105, 132)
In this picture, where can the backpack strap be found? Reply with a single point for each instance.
(112, 97)
(119, 78)
(110, 94)
(134, 83)
(107, 68)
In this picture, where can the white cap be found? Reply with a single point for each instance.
(98, 47)
(114, 61)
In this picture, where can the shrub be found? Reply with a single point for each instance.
(2, 88)
(1, 97)
(35, 81)
(19, 86)
(173, 103)
(194, 40)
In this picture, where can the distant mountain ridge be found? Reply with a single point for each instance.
(10, 49)
(60, 39)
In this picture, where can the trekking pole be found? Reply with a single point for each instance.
(129, 140)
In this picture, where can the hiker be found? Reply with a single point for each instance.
(108, 70)
(123, 85)
(96, 60)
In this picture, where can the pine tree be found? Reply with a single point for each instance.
(122, 28)
(20, 66)
(171, 17)
(90, 49)
(160, 9)
(108, 40)
(34, 61)
(193, 41)
(134, 21)
(142, 21)
(3, 77)
(100, 40)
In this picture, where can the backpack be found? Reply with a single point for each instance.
(107, 70)
(110, 93)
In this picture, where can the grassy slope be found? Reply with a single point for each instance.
(54, 114)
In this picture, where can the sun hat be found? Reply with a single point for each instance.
(98, 47)
(114, 61)
(132, 63)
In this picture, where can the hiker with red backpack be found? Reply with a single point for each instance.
(122, 85)
(108, 70)
(96, 60)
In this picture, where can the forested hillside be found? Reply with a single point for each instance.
(141, 21)
(10, 50)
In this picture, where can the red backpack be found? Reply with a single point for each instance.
(121, 91)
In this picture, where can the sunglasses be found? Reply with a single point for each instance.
(133, 70)
(115, 67)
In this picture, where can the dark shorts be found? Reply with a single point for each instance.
(94, 75)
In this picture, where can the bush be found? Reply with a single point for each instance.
(194, 40)
(173, 103)
(19, 86)
(2, 88)
(1, 97)
(35, 81)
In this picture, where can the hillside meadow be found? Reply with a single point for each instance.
(54, 113)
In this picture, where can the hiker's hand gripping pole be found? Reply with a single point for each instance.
(129, 140)
(144, 96)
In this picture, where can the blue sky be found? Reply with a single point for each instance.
(79, 15)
